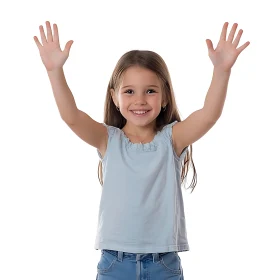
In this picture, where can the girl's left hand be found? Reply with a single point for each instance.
(226, 53)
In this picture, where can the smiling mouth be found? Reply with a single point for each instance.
(140, 114)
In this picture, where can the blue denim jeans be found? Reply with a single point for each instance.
(117, 265)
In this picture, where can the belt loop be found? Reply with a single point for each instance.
(155, 257)
(120, 256)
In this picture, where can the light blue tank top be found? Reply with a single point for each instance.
(141, 208)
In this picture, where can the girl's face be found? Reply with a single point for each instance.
(140, 89)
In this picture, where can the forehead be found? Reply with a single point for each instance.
(136, 75)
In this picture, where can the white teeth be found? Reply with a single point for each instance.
(139, 112)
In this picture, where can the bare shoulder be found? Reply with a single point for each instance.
(188, 131)
(90, 131)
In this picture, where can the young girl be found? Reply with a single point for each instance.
(141, 144)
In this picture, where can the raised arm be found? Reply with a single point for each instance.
(201, 121)
(53, 58)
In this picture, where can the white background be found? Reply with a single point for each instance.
(49, 189)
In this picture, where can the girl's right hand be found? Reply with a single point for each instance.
(51, 54)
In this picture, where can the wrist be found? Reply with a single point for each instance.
(221, 70)
(58, 72)
(55, 71)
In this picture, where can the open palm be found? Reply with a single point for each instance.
(52, 55)
(226, 52)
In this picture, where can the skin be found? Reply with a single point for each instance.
(226, 52)
(139, 95)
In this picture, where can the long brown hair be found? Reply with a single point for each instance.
(154, 62)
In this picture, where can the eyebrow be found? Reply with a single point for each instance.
(147, 86)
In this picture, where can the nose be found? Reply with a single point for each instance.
(140, 102)
(140, 99)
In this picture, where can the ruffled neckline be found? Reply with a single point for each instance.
(150, 146)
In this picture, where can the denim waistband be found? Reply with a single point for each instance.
(138, 257)
(134, 255)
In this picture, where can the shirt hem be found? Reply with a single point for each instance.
(142, 249)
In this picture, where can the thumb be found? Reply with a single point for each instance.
(209, 45)
(68, 46)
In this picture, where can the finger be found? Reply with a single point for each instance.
(37, 42)
(68, 46)
(42, 33)
(237, 39)
(232, 32)
(224, 32)
(49, 32)
(209, 45)
(55, 33)
(240, 49)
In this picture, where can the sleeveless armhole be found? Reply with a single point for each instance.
(110, 131)
(168, 134)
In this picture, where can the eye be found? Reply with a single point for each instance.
(147, 90)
